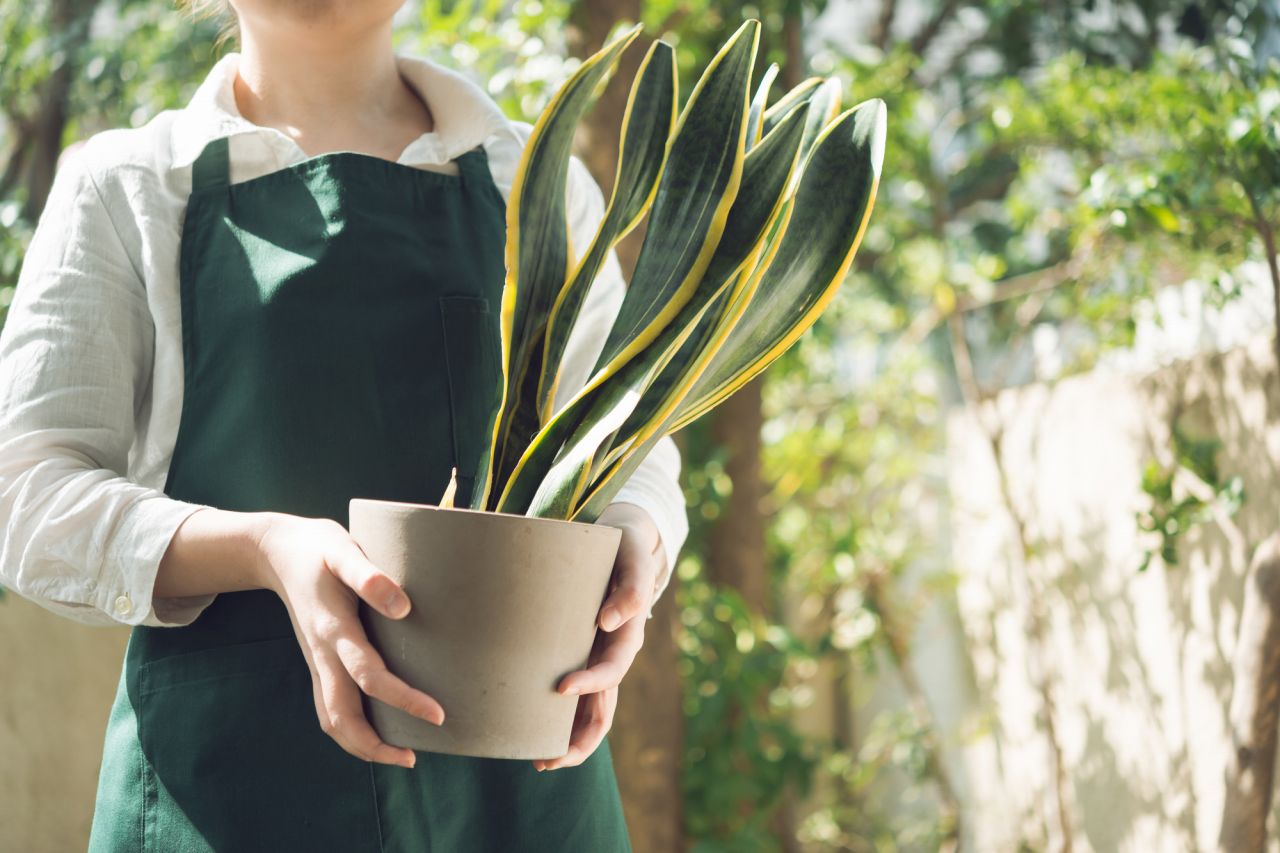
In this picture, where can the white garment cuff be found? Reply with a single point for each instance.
(133, 560)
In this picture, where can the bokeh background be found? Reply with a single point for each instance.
(986, 562)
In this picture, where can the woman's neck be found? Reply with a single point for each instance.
(339, 94)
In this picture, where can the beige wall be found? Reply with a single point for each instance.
(57, 680)
(1141, 662)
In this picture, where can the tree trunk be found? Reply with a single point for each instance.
(736, 554)
(1255, 707)
(647, 738)
(793, 71)
(69, 20)
(735, 545)
(592, 20)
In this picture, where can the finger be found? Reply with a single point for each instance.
(369, 671)
(635, 573)
(580, 709)
(614, 657)
(317, 695)
(583, 735)
(345, 721)
(588, 735)
(610, 706)
(374, 586)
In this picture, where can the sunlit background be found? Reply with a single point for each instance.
(984, 562)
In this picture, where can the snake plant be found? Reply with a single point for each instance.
(754, 213)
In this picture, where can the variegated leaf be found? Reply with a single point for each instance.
(768, 172)
(646, 133)
(755, 118)
(830, 211)
(630, 393)
(789, 101)
(698, 186)
(537, 258)
(833, 203)
(697, 189)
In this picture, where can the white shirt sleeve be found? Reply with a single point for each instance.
(655, 484)
(79, 537)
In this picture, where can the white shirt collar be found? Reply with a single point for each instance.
(464, 115)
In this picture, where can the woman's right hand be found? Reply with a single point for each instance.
(319, 571)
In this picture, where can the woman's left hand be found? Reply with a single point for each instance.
(636, 571)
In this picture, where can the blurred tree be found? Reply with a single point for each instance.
(45, 53)
(995, 220)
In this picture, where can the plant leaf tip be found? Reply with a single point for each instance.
(877, 116)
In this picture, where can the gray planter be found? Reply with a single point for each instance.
(504, 606)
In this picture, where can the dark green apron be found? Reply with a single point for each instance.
(341, 337)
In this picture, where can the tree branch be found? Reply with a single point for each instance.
(921, 41)
(884, 24)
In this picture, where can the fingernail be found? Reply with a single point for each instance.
(610, 619)
(397, 605)
(572, 690)
(410, 761)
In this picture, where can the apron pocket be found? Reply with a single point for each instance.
(236, 758)
(473, 360)
(218, 662)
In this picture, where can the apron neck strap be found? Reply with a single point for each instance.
(212, 168)
(474, 167)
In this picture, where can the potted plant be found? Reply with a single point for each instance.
(754, 213)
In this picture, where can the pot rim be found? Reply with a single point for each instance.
(406, 507)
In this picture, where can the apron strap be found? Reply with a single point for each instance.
(212, 168)
(474, 167)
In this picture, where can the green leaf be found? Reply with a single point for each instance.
(537, 257)
(833, 203)
(1164, 217)
(755, 118)
(829, 214)
(698, 186)
(646, 133)
(784, 105)
(686, 345)
(695, 193)
(768, 172)
(824, 106)
(604, 488)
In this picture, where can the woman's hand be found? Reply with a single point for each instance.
(622, 618)
(318, 571)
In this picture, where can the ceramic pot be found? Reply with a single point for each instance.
(503, 607)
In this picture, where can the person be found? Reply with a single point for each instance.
(229, 321)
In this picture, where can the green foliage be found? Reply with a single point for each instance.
(515, 48)
(1174, 511)
(743, 752)
(15, 234)
(860, 818)
(736, 264)
(1190, 188)
(539, 269)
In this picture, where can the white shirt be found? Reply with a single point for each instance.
(91, 373)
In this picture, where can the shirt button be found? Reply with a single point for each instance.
(123, 604)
